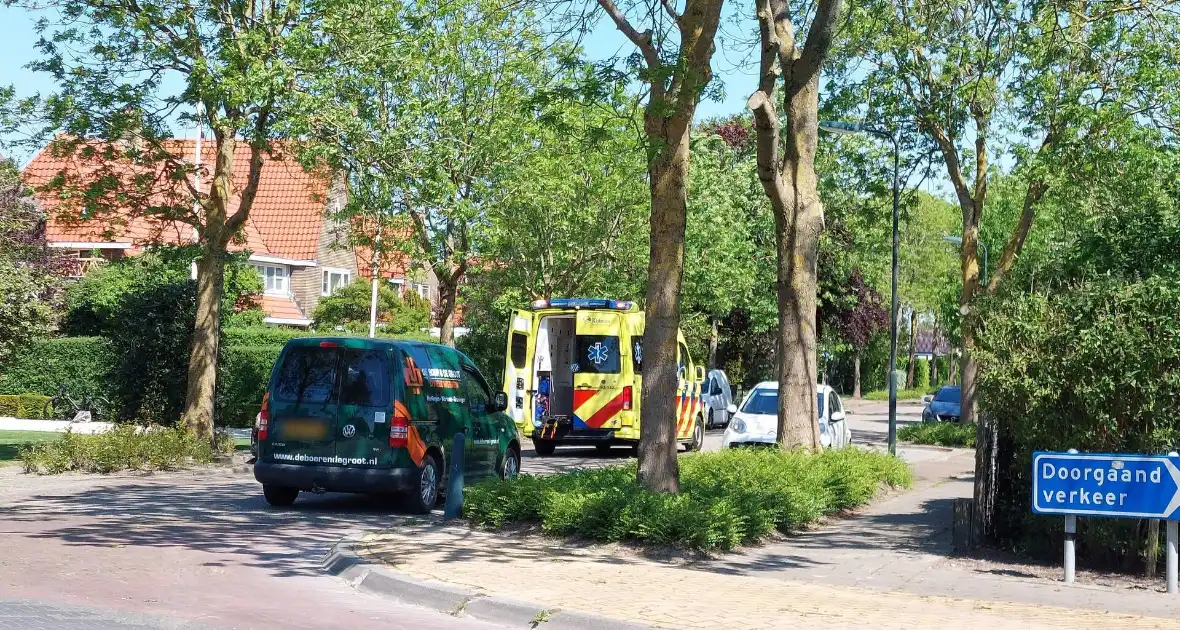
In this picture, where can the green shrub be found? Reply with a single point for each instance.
(939, 434)
(244, 372)
(1095, 366)
(902, 394)
(922, 374)
(125, 447)
(26, 406)
(349, 308)
(727, 499)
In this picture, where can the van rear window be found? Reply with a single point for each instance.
(365, 379)
(308, 375)
(597, 354)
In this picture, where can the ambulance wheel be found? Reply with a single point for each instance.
(698, 436)
(544, 447)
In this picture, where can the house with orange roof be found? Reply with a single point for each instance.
(301, 252)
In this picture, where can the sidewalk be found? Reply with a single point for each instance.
(886, 567)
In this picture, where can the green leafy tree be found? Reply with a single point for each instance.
(1040, 84)
(675, 48)
(126, 72)
(723, 206)
(28, 287)
(429, 121)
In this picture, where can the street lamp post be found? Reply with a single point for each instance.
(850, 128)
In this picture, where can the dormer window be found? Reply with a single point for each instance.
(275, 279)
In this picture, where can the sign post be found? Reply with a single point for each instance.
(1076, 484)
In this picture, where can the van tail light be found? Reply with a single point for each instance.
(627, 398)
(399, 431)
(264, 417)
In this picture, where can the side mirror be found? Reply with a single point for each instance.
(499, 402)
(927, 399)
(837, 416)
(732, 409)
(700, 374)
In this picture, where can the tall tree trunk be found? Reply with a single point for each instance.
(856, 373)
(448, 293)
(200, 399)
(658, 468)
(909, 372)
(794, 197)
(713, 335)
(786, 168)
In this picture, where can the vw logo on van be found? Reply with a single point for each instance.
(349, 430)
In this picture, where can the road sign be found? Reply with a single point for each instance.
(1100, 484)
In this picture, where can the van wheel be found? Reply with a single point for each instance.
(424, 494)
(510, 467)
(698, 436)
(544, 447)
(279, 496)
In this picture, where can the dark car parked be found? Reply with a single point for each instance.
(943, 406)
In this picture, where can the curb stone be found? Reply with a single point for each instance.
(343, 561)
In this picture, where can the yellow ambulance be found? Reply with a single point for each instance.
(573, 375)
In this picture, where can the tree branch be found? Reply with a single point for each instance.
(819, 41)
(642, 40)
(670, 9)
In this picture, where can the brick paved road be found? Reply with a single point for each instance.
(32, 615)
(204, 550)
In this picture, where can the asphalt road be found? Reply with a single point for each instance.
(189, 551)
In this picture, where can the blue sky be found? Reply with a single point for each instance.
(18, 37)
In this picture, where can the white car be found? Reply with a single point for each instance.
(756, 422)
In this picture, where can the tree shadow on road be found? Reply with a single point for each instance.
(224, 516)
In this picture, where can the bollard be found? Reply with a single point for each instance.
(454, 505)
(1071, 528)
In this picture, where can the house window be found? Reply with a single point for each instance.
(400, 285)
(334, 279)
(422, 289)
(275, 279)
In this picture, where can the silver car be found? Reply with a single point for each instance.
(717, 396)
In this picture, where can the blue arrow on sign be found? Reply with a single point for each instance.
(1112, 485)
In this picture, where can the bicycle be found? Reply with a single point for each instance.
(64, 407)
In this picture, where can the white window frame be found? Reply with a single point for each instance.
(326, 279)
(282, 274)
(400, 284)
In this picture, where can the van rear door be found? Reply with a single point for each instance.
(598, 378)
(518, 369)
(303, 406)
(362, 426)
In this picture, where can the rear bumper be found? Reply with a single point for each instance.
(592, 436)
(336, 478)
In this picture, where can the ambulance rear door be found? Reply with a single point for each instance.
(518, 368)
(598, 370)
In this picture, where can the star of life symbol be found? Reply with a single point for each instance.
(349, 430)
(598, 353)
(638, 352)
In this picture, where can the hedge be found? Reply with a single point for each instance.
(84, 364)
(28, 406)
(153, 391)
(1093, 366)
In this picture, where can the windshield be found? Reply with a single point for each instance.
(762, 401)
(947, 394)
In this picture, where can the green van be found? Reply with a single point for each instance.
(378, 416)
